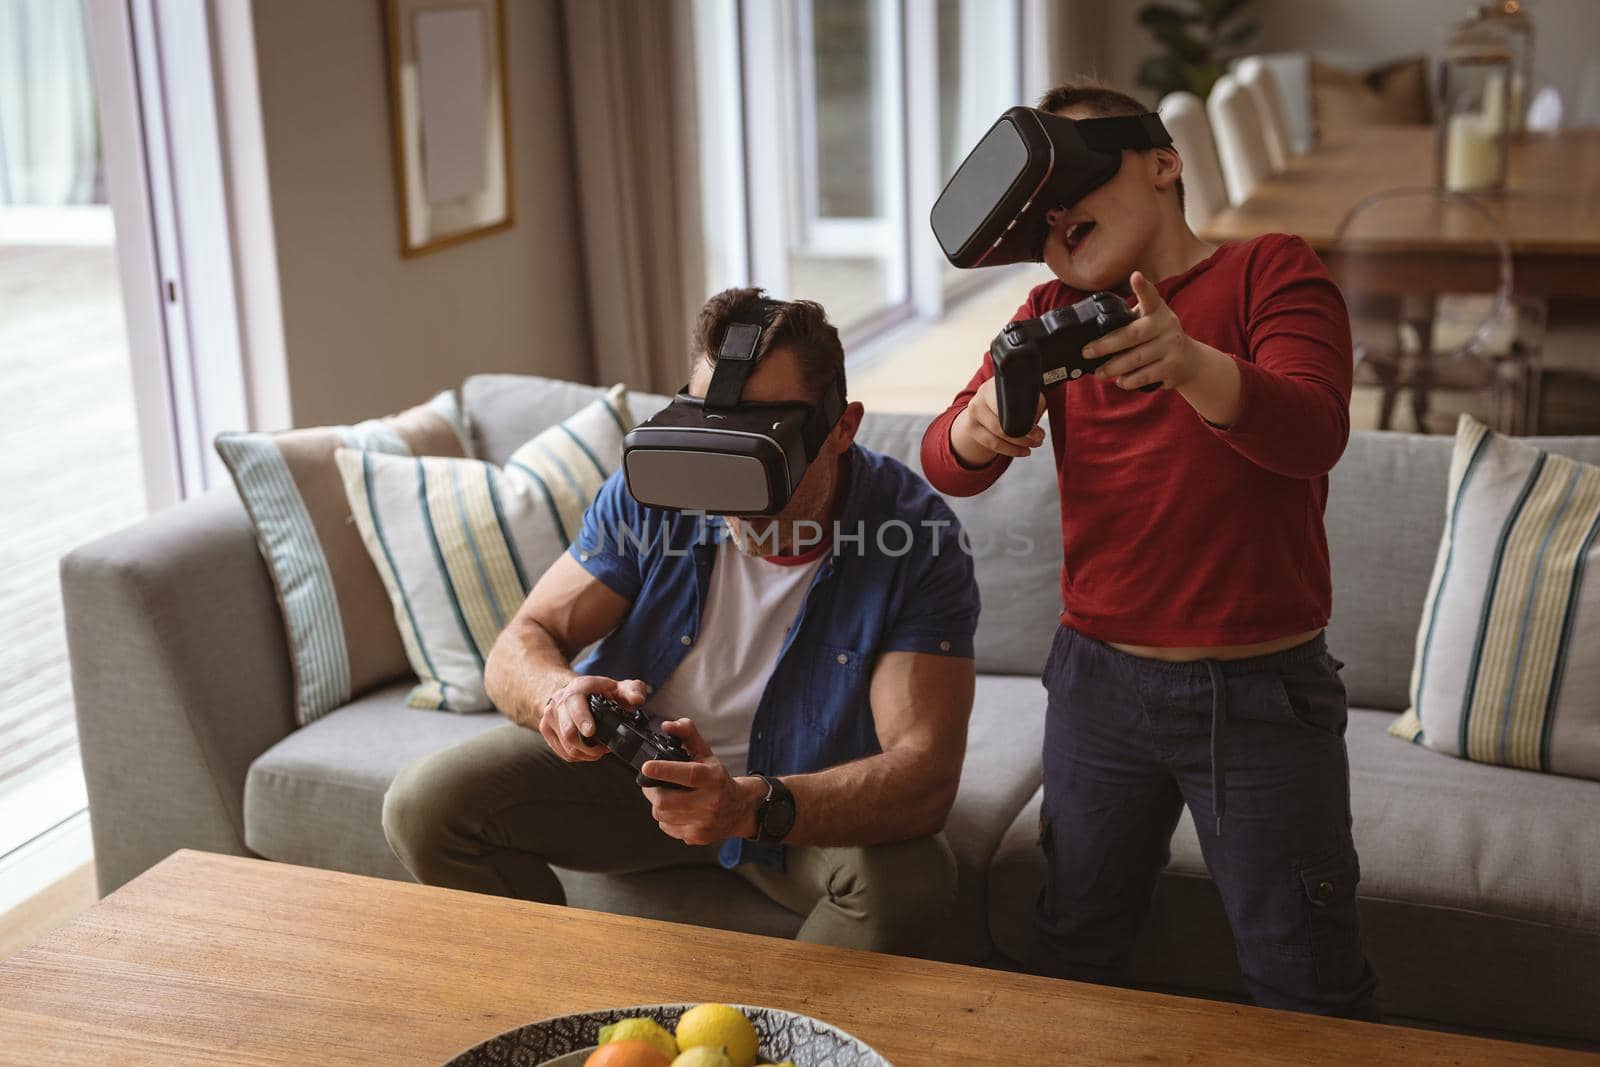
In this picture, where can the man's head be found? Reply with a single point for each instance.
(797, 358)
(1096, 243)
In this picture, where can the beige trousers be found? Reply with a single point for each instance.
(494, 814)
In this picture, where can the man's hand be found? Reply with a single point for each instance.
(715, 807)
(976, 434)
(1154, 348)
(566, 714)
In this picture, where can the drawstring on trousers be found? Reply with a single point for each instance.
(1219, 724)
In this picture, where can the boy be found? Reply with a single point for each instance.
(1189, 666)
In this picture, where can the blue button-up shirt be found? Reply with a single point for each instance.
(897, 580)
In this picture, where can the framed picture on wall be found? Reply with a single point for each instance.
(452, 129)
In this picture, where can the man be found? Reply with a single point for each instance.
(823, 689)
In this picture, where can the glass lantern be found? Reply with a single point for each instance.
(1473, 103)
(1509, 18)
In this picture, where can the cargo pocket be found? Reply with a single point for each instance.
(1330, 889)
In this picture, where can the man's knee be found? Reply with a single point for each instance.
(419, 816)
(907, 887)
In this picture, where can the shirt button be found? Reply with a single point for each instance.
(1324, 890)
(843, 658)
(685, 640)
(583, 557)
(944, 646)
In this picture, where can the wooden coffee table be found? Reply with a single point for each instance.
(215, 959)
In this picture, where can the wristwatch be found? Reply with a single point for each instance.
(775, 815)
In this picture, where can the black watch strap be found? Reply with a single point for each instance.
(775, 815)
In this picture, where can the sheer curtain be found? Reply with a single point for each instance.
(630, 79)
(49, 145)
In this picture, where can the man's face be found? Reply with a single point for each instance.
(1096, 243)
(777, 380)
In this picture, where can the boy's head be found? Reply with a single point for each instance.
(797, 357)
(1098, 242)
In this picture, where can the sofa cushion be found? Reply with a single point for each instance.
(1394, 483)
(1480, 897)
(316, 798)
(1014, 531)
(336, 616)
(459, 542)
(1502, 672)
(506, 410)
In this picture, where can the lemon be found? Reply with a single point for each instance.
(719, 1026)
(640, 1029)
(703, 1056)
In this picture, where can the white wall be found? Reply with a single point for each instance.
(366, 332)
(1364, 31)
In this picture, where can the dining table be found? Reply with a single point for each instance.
(1548, 211)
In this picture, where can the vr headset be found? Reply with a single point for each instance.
(724, 455)
(1028, 164)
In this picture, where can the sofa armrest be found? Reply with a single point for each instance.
(180, 677)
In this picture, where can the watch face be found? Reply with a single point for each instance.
(779, 818)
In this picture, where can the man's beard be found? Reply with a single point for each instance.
(780, 533)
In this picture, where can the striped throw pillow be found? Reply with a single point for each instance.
(458, 543)
(1504, 671)
(340, 630)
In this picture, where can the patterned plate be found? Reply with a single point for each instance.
(566, 1041)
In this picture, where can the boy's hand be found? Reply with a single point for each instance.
(976, 435)
(1152, 348)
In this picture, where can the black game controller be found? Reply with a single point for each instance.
(1030, 354)
(626, 732)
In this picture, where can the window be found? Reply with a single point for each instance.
(828, 128)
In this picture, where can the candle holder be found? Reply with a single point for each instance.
(1473, 105)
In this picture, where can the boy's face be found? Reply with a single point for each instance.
(1096, 243)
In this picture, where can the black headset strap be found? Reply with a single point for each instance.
(736, 358)
(1137, 132)
(823, 415)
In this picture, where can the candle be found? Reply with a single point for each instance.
(1494, 101)
(1472, 153)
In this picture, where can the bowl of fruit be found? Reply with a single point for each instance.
(674, 1035)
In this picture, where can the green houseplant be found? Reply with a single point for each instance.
(1197, 37)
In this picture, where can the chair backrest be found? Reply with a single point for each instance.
(1470, 313)
(1204, 191)
(1259, 78)
(1236, 123)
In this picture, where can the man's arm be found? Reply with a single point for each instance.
(920, 706)
(528, 667)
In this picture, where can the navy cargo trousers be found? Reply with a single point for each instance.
(1255, 747)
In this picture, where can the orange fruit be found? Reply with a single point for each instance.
(627, 1054)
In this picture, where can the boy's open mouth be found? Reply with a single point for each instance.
(1076, 233)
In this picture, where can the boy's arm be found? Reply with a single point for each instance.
(985, 452)
(1294, 392)
(1286, 408)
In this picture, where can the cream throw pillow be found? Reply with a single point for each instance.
(1505, 670)
(458, 543)
(336, 616)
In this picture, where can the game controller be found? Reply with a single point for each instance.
(1030, 354)
(626, 731)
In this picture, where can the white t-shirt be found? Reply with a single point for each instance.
(751, 605)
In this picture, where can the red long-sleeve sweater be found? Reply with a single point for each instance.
(1175, 532)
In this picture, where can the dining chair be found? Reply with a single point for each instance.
(1415, 333)
(1236, 123)
(1256, 76)
(1204, 191)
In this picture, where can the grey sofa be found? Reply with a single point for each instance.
(1481, 887)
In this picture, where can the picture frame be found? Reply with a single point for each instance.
(451, 120)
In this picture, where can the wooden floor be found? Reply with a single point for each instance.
(69, 472)
(45, 911)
